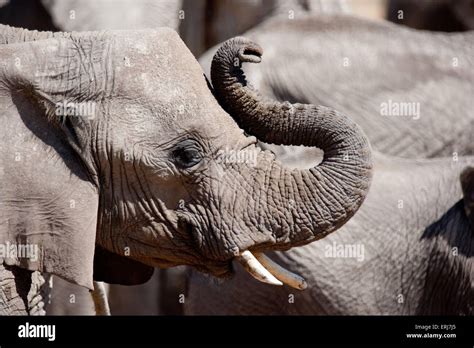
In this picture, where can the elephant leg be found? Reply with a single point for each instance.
(23, 292)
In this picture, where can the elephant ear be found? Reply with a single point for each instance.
(48, 196)
(467, 184)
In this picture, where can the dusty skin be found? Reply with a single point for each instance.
(118, 185)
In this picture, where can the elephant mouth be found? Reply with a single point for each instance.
(257, 264)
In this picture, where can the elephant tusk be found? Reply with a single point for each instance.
(99, 296)
(255, 268)
(282, 274)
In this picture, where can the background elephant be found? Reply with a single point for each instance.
(127, 198)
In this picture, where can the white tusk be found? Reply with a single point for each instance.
(255, 268)
(287, 277)
(99, 296)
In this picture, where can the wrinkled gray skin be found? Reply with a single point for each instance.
(418, 254)
(416, 225)
(141, 182)
(23, 292)
(355, 65)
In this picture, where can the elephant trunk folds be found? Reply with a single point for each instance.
(318, 200)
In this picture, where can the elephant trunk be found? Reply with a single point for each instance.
(321, 199)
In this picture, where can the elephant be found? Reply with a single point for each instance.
(118, 158)
(409, 250)
(409, 90)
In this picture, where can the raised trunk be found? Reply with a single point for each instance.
(325, 196)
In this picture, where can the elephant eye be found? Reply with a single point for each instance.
(186, 154)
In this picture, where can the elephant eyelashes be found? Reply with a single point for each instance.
(186, 154)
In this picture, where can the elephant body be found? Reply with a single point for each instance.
(409, 252)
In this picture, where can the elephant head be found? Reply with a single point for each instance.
(114, 146)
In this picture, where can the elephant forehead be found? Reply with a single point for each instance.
(152, 62)
(157, 74)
